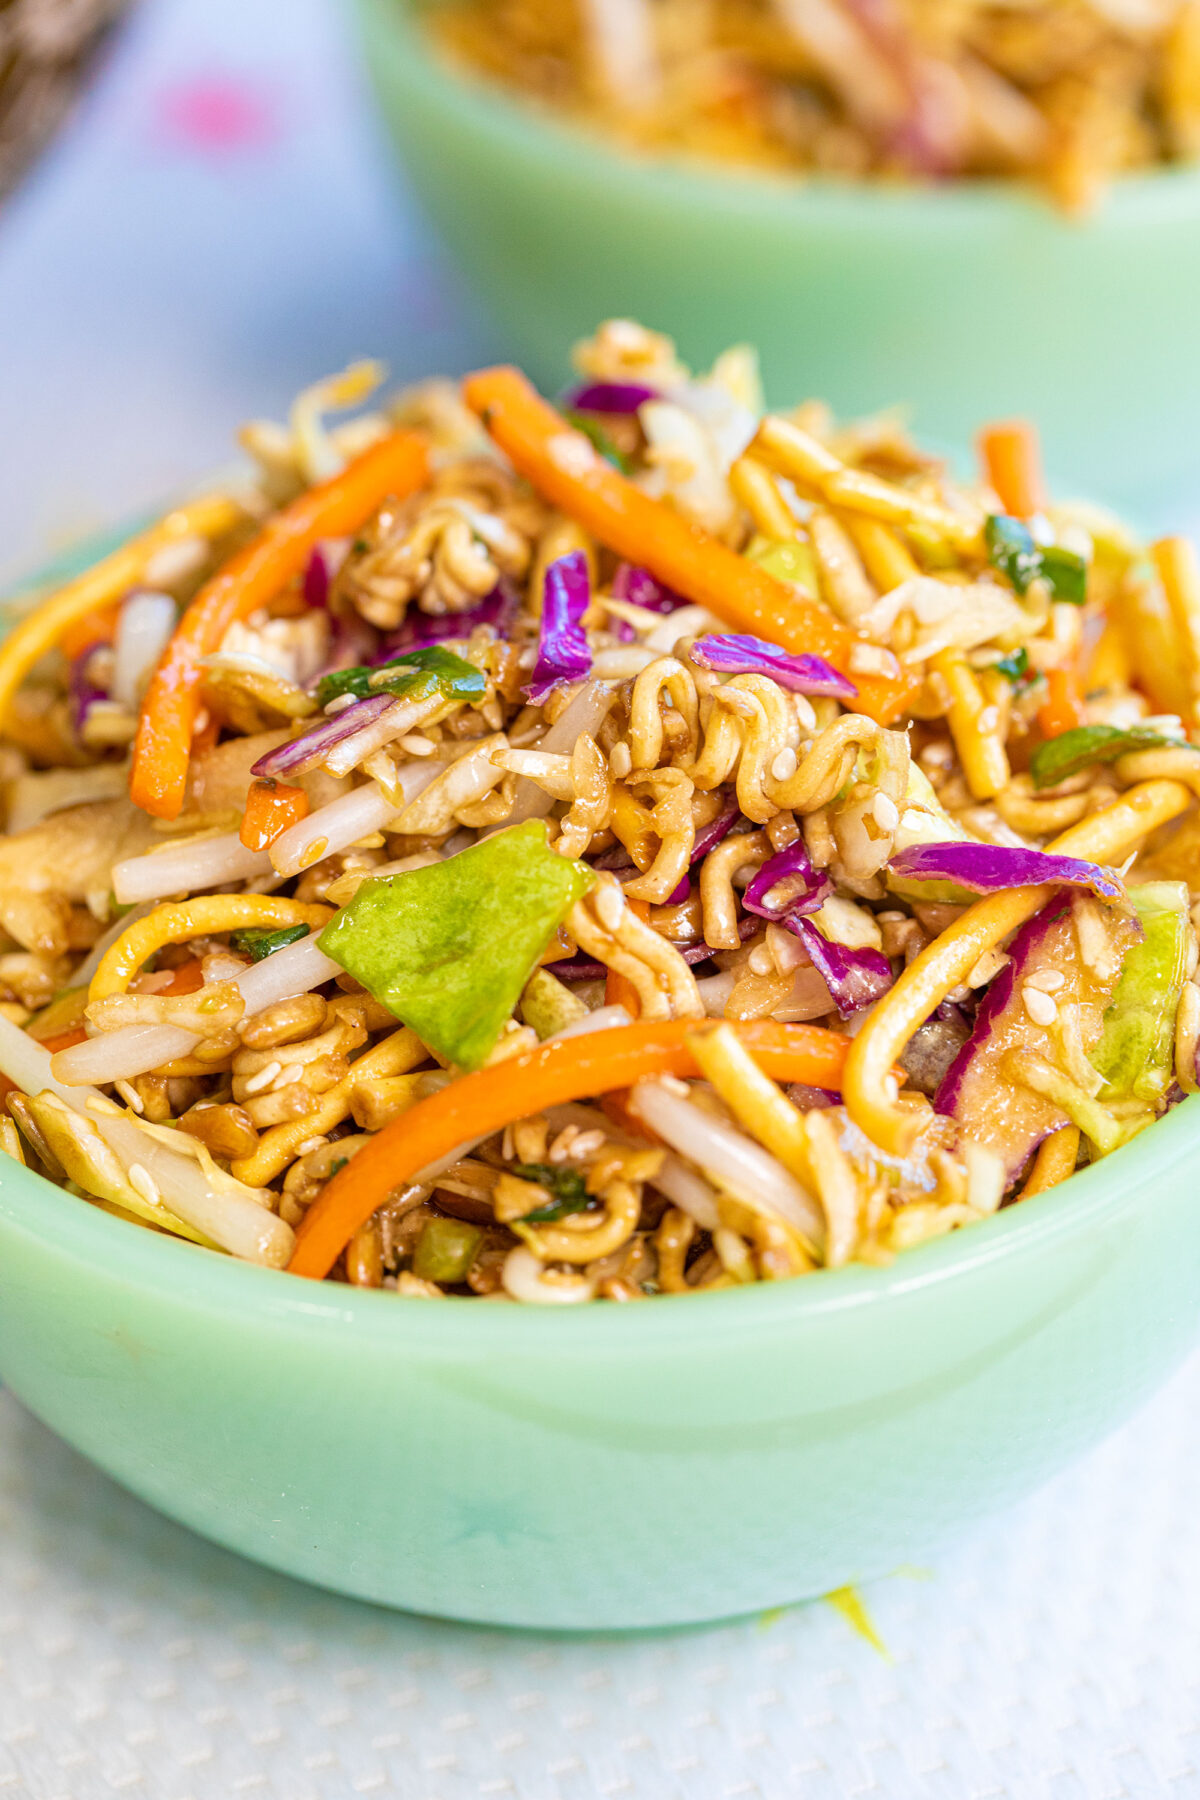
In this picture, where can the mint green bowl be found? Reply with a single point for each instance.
(610, 1466)
(965, 301)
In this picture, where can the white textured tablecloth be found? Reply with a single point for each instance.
(219, 227)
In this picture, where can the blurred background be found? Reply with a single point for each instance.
(1003, 217)
(217, 222)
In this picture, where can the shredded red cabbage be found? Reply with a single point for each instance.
(82, 690)
(855, 978)
(787, 886)
(609, 397)
(989, 868)
(731, 653)
(710, 835)
(563, 653)
(313, 747)
(498, 609)
(640, 588)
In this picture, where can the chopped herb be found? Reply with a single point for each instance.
(600, 440)
(1015, 665)
(257, 942)
(1071, 751)
(567, 1186)
(1011, 549)
(428, 669)
(340, 1163)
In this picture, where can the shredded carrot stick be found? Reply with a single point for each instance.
(271, 806)
(95, 627)
(571, 1069)
(564, 467)
(1012, 459)
(1061, 710)
(188, 978)
(394, 466)
(105, 582)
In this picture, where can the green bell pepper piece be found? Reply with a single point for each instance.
(449, 948)
(1072, 751)
(445, 1250)
(428, 669)
(1136, 1050)
(1012, 549)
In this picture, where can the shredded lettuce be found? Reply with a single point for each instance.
(449, 948)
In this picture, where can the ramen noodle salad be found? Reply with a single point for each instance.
(623, 847)
(1066, 92)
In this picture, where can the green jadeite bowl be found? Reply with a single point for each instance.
(965, 301)
(607, 1466)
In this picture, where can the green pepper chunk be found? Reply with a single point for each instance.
(449, 948)
(257, 941)
(567, 1185)
(445, 1250)
(1071, 751)
(790, 562)
(1015, 665)
(1065, 574)
(1136, 1050)
(1011, 549)
(427, 669)
(600, 440)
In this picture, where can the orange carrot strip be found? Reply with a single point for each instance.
(95, 627)
(271, 806)
(1013, 461)
(1061, 710)
(188, 978)
(395, 466)
(551, 1075)
(564, 467)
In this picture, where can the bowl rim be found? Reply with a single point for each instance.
(1162, 193)
(76, 1232)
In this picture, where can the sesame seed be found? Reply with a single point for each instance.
(620, 761)
(803, 708)
(130, 1096)
(784, 766)
(761, 960)
(143, 1183)
(1049, 980)
(311, 1144)
(1039, 1006)
(263, 1079)
(887, 813)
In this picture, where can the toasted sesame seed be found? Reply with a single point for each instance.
(761, 960)
(1039, 1006)
(263, 1079)
(130, 1096)
(887, 814)
(620, 760)
(784, 766)
(802, 706)
(1049, 980)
